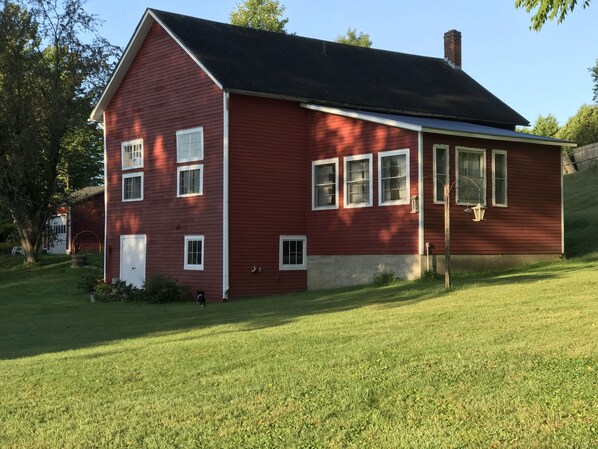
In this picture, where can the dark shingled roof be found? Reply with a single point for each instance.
(276, 64)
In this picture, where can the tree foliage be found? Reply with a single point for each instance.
(352, 37)
(49, 80)
(582, 128)
(594, 72)
(545, 10)
(547, 126)
(260, 14)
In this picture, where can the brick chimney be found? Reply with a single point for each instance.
(452, 48)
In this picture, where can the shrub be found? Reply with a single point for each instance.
(90, 277)
(383, 278)
(162, 289)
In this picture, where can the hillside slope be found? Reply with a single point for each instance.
(581, 213)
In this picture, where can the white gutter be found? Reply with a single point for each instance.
(420, 186)
(225, 192)
(105, 197)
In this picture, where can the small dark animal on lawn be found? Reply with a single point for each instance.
(201, 298)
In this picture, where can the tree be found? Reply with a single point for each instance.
(582, 128)
(594, 72)
(548, 10)
(351, 37)
(49, 80)
(547, 126)
(261, 15)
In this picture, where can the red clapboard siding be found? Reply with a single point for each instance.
(165, 91)
(531, 224)
(87, 223)
(267, 184)
(367, 230)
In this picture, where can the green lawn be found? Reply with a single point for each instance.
(507, 359)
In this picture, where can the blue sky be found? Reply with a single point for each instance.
(533, 72)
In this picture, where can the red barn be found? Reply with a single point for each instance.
(243, 162)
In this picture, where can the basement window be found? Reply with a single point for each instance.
(293, 252)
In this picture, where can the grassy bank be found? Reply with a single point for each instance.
(507, 359)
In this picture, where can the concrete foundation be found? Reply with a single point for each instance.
(325, 272)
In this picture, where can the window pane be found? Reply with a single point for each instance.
(194, 252)
(292, 252)
(500, 196)
(394, 178)
(189, 145)
(471, 180)
(358, 181)
(189, 182)
(132, 188)
(325, 185)
(499, 165)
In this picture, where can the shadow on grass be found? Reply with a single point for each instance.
(42, 311)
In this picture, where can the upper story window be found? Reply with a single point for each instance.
(189, 145)
(358, 181)
(441, 172)
(471, 176)
(132, 154)
(189, 180)
(293, 252)
(132, 188)
(393, 179)
(499, 178)
(325, 184)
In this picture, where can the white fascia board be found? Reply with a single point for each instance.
(127, 58)
(191, 55)
(365, 117)
(500, 138)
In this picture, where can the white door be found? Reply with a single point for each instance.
(132, 259)
(57, 240)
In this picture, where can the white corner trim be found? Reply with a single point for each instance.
(105, 198)
(225, 193)
(420, 190)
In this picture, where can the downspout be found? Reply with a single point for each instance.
(420, 193)
(106, 269)
(562, 206)
(225, 192)
(69, 231)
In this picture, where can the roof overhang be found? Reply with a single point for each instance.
(439, 126)
(127, 58)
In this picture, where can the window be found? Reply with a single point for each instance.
(189, 180)
(293, 252)
(132, 154)
(325, 184)
(393, 179)
(441, 171)
(499, 178)
(471, 176)
(189, 145)
(133, 186)
(358, 181)
(194, 252)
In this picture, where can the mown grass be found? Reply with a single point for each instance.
(507, 359)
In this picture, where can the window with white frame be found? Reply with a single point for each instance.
(132, 154)
(393, 177)
(132, 186)
(499, 178)
(471, 176)
(189, 145)
(293, 252)
(325, 184)
(441, 171)
(194, 252)
(358, 181)
(189, 180)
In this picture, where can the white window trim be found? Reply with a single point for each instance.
(122, 153)
(178, 179)
(383, 154)
(284, 238)
(182, 132)
(132, 175)
(447, 168)
(196, 267)
(314, 164)
(359, 157)
(494, 203)
(481, 151)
